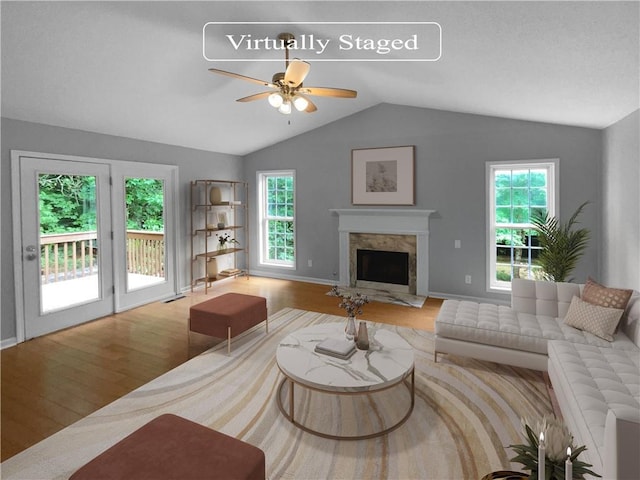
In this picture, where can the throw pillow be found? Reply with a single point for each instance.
(600, 321)
(597, 294)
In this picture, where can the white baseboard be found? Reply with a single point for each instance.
(8, 342)
(284, 276)
(146, 301)
(200, 285)
(324, 281)
(447, 296)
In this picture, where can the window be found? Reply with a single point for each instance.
(516, 192)
(276, 194)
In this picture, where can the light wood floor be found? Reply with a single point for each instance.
(52, 381)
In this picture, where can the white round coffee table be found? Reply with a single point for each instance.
(387, 363)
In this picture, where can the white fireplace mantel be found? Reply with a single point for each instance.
(389, 221)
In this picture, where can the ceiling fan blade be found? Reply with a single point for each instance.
(311, 107)
(296, 72)
(255, 96)
(242, 77)
(329, 92)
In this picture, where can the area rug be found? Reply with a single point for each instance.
(466, 414)
(384, 296)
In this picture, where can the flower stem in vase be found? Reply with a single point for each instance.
(350, 328)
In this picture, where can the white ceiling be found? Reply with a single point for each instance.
(135, 69)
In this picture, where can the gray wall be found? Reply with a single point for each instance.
(193, 164)
(621, 200)
(451, 151)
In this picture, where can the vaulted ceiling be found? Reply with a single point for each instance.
(136, 69)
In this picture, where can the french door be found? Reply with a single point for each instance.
(95, 238)
(67, 278)
(144, 237)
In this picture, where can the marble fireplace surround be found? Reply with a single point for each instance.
(386, 243)
(386, 222)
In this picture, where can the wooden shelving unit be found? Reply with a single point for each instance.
(205, 230)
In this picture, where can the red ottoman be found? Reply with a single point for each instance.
(172, 447)
(228, 315)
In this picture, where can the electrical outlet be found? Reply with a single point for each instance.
(467, 279)
(310, 263)
(456, 244)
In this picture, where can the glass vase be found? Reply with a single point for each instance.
(350, 328)
(363, 337)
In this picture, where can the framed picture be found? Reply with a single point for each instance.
(383, 176)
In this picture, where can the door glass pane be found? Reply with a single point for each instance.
(144, 198)
(68, 240)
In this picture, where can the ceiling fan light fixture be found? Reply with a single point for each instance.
(300, 103)
(285, 108)
(275, 99)
(289, 91)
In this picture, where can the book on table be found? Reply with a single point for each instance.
(336, 347)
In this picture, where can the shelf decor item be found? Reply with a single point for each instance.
(352, 303)
(212, 269)
(552, 444)
(223, 220)
(224, 240)
(215, 196)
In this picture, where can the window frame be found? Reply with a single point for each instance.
(553, 206)
(263, 218)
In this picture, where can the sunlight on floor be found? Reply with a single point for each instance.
(60, 295)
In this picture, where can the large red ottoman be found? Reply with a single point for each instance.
(172, 447)
(228, 315)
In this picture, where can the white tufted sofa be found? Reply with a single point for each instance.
(596, 383)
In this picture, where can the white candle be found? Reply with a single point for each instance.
(541, 456)
(568, 466)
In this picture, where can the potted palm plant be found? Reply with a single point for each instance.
(562, 245)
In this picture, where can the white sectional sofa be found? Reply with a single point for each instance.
(596, 382)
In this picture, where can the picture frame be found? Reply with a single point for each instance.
(383, 176)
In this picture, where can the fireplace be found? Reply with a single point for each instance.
(387, 230)
(381, 257)
(382, 267)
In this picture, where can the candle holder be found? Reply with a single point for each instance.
(506, 475)
(550, 454)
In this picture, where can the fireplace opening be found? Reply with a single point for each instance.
(383, 267)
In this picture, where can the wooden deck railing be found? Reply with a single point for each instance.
(145, 253)
(75, 255)
(68, 255)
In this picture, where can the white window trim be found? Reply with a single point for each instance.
(553, 202)
(262, 241)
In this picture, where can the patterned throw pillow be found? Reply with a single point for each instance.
(597, 294)
(600, 321)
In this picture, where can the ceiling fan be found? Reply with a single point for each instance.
(289, 90)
